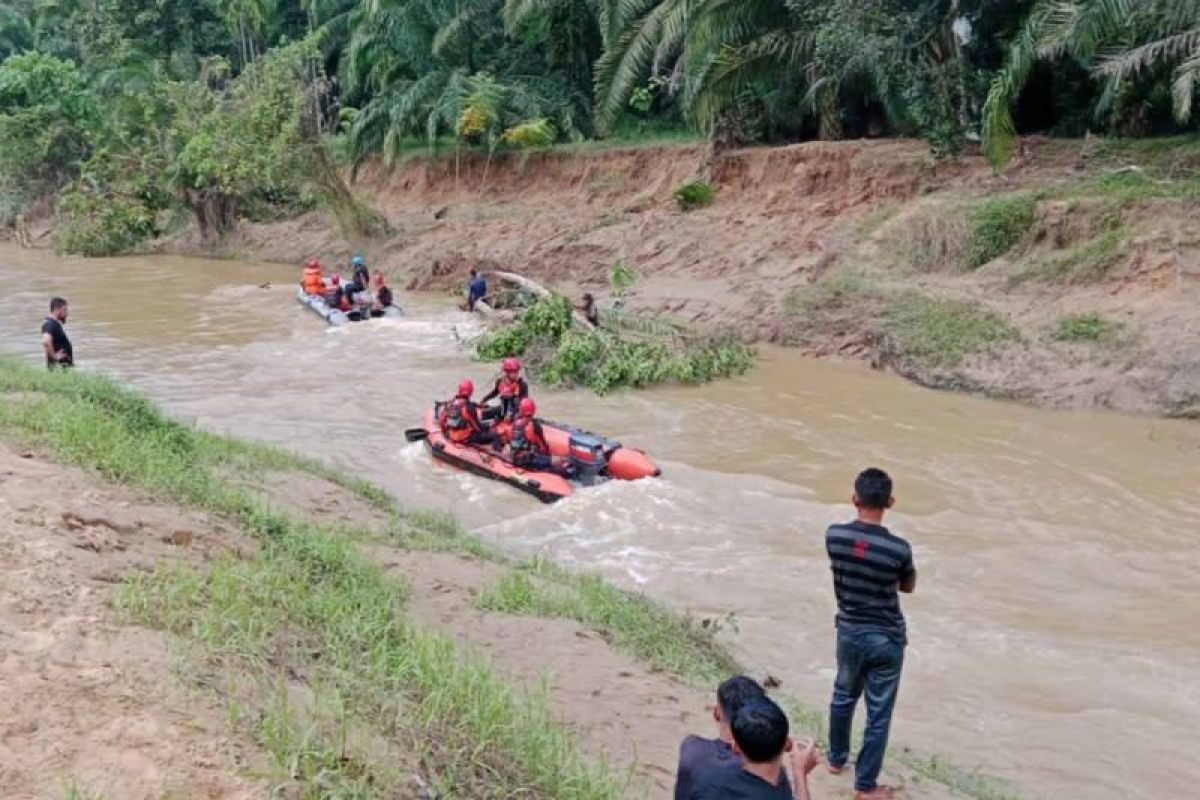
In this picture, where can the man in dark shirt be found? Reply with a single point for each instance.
(476, 288)
(760, 739)
(699, 757)
(59, 353)
(870, 565)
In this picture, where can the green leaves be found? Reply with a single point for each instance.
(604, 360)
(1120, 41)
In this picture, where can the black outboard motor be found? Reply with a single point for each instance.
(587, 458)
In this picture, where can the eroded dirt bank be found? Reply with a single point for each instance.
(1072, 280)
(93, 706)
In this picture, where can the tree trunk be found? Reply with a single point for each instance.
(355, 217)
(216, 212)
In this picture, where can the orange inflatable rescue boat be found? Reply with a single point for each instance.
(593, 459)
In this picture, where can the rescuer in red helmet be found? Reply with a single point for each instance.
(459, 418)
(530, 450)
(511, 388)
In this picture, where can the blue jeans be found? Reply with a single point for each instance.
(872, 661)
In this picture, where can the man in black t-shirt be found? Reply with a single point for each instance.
(870, 565)
(760, 739)
(55, 343)
(700, 757)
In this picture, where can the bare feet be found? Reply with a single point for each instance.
(880, 792)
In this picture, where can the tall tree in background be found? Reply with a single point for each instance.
(432, 68)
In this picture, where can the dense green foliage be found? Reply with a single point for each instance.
(232, 108)
(604, 360)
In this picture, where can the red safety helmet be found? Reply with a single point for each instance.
(528, 407)
(313, 264)
(466, 388)
(511, 365)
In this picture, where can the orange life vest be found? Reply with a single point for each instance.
(456, 420)
(312, 282)
(508, 388)
(525, 437)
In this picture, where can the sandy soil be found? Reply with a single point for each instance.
(88, 702)
(786, 218)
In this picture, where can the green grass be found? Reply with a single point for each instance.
(1088, 327)
(997, 225)
(965, 783)
(73, 791)
(632, 622)
(1088, 262)
(1163, 157)
(307, 604)
(310, 605)
(940, 333)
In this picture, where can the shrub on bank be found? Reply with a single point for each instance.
(1087, 327)
(695, 194)
(997, 224)
(93, 225)
(603, 360)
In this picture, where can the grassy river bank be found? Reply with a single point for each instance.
(308, 633)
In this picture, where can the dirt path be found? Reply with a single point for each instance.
(625, 713)
(89, 704)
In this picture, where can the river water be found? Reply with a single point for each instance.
(1055, 634)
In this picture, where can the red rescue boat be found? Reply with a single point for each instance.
(593, 459)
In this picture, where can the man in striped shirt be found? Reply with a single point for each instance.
(870, 565)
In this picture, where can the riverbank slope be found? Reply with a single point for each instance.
(325, 639)
(1071, 280)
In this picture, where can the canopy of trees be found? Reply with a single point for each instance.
(128, 109)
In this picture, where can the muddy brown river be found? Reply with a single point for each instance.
(1055, 634)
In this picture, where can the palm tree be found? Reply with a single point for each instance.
(1117, 39)
(423, 63)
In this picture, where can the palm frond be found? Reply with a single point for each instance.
(454, 29)
(997, 125)
(1183, 87)
(1152, 54)
(630, 60)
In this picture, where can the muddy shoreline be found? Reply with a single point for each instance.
(817, 246)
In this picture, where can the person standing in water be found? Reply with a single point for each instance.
(59, 353)
(870, 565)
(476, 288)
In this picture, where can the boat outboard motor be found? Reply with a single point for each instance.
(587, 458)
